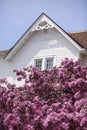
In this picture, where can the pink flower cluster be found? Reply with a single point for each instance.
(49, 100)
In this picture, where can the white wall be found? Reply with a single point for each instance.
(40, 44)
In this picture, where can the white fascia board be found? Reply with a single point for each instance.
(22, 40)
(18, 46)
(68, 38)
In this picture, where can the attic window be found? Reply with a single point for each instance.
(38, 63)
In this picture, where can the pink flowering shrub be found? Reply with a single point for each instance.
(48, 100)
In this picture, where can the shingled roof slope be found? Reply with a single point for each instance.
(80, 38)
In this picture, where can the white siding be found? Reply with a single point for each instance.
(40, 45)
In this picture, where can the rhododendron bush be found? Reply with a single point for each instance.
(48, 100)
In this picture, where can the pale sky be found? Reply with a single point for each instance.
(16, 16)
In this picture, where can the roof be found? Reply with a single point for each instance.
(37, 25)
(80, 38)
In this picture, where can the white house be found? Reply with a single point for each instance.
(43, 45)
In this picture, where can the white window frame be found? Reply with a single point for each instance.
(44, 61)
(38, 60)
(48, 58)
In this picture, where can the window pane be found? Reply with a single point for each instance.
(38, 64)
(49, 63)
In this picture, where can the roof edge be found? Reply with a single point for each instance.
(63, 32)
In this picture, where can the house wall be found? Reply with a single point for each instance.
(84, 59)
(41, 44)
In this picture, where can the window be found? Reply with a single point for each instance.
(49, 63)
(44, 63)
(38, 63)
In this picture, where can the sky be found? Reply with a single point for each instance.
(16, 16)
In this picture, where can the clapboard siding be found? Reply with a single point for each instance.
(42, 43)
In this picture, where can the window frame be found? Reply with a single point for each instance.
(37, 59)
(44, 60)
(48, 58)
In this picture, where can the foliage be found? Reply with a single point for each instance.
(48, 100)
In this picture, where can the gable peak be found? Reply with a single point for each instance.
(42, 23)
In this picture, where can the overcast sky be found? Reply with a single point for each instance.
(17, 15)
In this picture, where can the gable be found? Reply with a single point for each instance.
(44, 45)
(43, 22)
